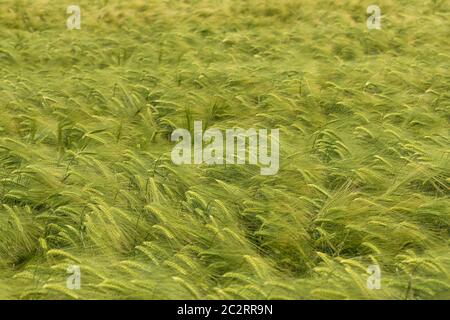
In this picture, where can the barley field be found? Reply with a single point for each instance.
(89, 193)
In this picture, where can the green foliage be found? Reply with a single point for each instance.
(85, 170)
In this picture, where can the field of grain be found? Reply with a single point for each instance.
(86, 177)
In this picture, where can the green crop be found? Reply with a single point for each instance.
(86, 177)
